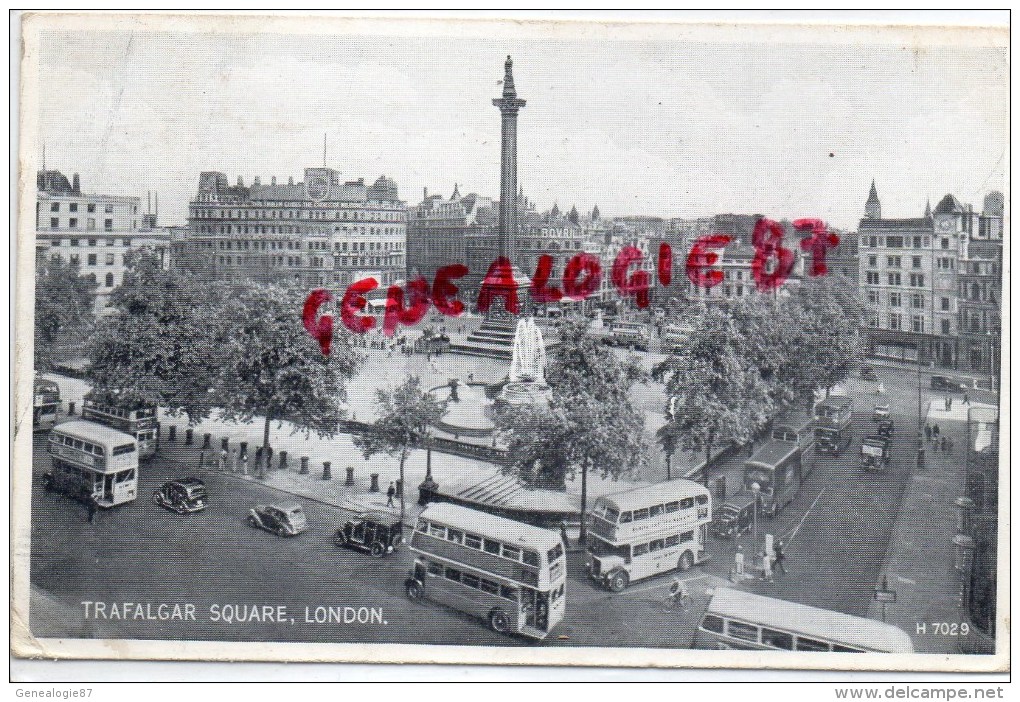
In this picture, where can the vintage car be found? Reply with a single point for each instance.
(946, 384)
(881, 412)
(282, 520)
(182, 495)
(372, 532)
(885, 428)
(735, 516)
(875, 452)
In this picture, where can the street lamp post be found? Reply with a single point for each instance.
(755, 490)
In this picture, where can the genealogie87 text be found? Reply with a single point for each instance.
(582, 276)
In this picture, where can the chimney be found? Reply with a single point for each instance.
(290, 180)
(240, 182)
(274, 180)
(257, 181)
(76, 185)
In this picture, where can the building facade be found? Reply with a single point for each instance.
(323, 232)
(94, 232)
(911, 279)
(979, 276)
(438, 230)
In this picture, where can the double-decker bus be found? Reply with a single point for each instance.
(647, 531)
(742, 620)
(776, 468)
(510, 574)
(135, 418)
(93, 461)
(833, 424)
(45, 403)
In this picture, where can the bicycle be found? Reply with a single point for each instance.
(672, 599)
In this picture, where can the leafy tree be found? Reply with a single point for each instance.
(831, 343)
(272, 368)
(64, 307)
(719, 395)
(161, 344)
(405, 414)
(590, 423)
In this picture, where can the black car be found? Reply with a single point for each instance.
(182, 495)
(735, 517)
(885, 428)
(373, 532)
(282, 520)
(868, 373)
(946, 384)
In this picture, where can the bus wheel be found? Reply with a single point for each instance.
(377, 550)
(618, 581)
(499, 621)
(686, 561)
(414, 590)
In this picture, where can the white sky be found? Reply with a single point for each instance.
(668, 128)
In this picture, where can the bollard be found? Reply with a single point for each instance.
(375, 483)
(963, 507)
(326, 473)
(225, 443)
(70, 408)
(269, 457)
(207, 441)
(350, 476)
(171, 434)
(304, 465)
(244, 448)
(283, 460)
(189, 436)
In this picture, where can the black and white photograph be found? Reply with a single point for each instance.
(643, 344)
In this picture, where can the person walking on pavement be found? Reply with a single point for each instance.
(90, 505)
(223, 459)
(766, 566)
(935, 431)
(563, 535)
(966, 399)
(945, 444)
(780, 557)
(927, 432)
(391, 492)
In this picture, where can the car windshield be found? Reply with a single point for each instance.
(728, 512)
(196, 490)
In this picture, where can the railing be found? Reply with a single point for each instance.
(441, 444)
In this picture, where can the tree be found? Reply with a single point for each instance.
(161, 345)
(405, 414)
(272, 368)
(832, 343)
(719, 394)
(64, 302)
(590, 423)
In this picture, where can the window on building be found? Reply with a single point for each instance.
(917, 242)
(91, 224)
(872, 277)
(92, 259)
(109, 209)
(915, 261)
(895, 299)
(945, 303)
(917, 301)
(895, 321)
(894, 242)
(945, 243)
(873, 261)
(945, 326)
(872, 297)
(91, 207)
(917, 324)
(894, 261)
(917, 280)
(895, 279)
(54, 207)
(109, 280)
(109, 259)
(108, 225)
(73, 207)
(54, 222)
(92, 242)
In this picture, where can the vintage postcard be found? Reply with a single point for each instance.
(654, 344)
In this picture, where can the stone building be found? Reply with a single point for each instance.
(324, 231)
(94, 232)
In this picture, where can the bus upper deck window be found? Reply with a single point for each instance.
(739, 630)
(530, 558)
(655, 511)
(492, 546)
(455, 535)
(423, 526)
(625, 517)
(701, 499)
(511, 552)
(846, 649)
(710, 622)
(472, 541)
(672, 506)
(611, 514)
(806, 644)
(777, 639)
(640, 514)
(687, 503)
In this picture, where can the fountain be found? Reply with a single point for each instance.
(526, 383)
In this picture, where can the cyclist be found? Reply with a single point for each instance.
(678, 593)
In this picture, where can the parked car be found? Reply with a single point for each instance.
(735, 516)
(881, 412)
(182, 495)
(946, 384)
(283, 520)
(868, 373)
(373, 532)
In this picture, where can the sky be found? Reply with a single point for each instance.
(665, 127)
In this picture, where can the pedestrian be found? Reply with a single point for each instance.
(780, 557)
(935, 430)
(927, 432)
(90, 505)
(563, 535)
(949, 404)
(244, 463)
(223, 459)
(391, 492)
(233, 460)
(766, 566)
(945, 444)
